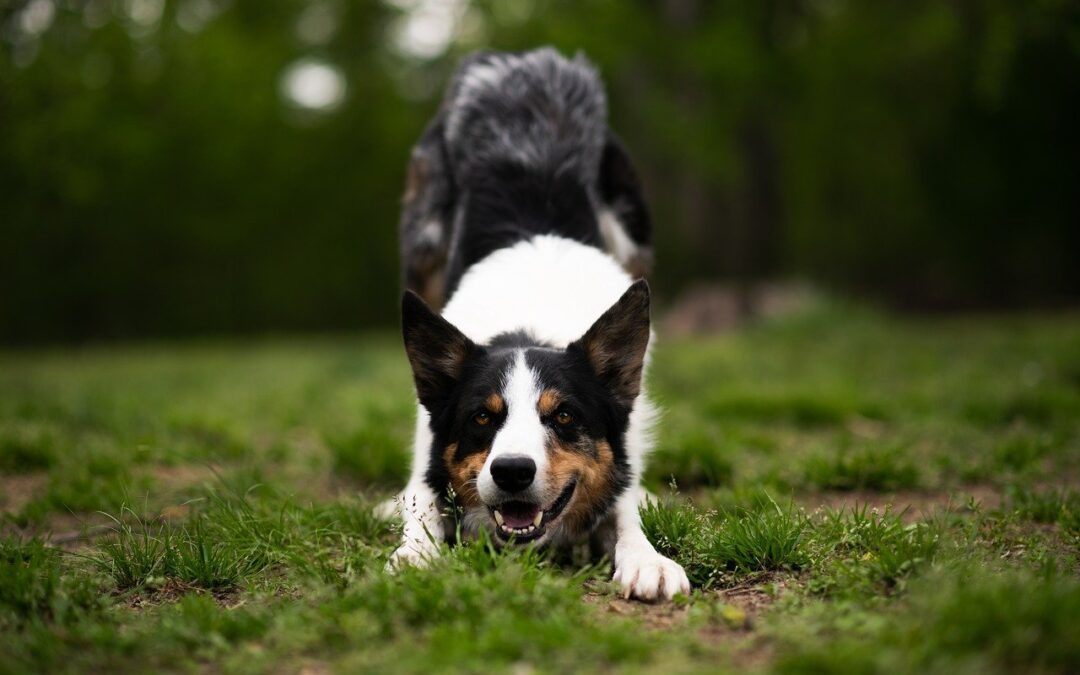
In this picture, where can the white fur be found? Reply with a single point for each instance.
(616, 240)
(522, 433)
(553, 287)
(556, 289)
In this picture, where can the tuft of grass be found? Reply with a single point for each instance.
(203, 559)
(1048, 506)
(864, 551)
(766, 539)
(234, 537)
(34, 588)
(711, 545)
(863, 468)
(141, 553)
(1020, 451)
(136, 553)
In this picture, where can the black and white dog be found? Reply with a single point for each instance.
(524, 221)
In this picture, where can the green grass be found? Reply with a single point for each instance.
(209, 506)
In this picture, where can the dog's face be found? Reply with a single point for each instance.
(530, 438)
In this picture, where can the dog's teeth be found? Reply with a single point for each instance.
(498, 518)
(538, 518)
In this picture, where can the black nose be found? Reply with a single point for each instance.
(513, 473)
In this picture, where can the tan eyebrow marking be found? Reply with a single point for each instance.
(495, 403)
(549, 401)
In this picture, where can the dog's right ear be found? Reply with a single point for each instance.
(436, 349)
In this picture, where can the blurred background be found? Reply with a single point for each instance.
(194, 167)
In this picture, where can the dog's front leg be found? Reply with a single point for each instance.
(423, 527)
(639, 569)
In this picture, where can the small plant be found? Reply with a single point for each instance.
(202, 558)
(767, 539)
(137, 553)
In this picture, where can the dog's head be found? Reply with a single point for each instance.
(530, 437)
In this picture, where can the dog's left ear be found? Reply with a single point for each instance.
(615, 345)
(437, 351)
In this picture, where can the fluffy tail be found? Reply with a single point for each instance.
(537, 110)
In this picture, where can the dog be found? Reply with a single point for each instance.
(524, 222)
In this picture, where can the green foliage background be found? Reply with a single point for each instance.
(154, 180)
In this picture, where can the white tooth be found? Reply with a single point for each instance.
(498, 518)
(538, 518)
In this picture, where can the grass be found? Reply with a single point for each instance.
(848, 492)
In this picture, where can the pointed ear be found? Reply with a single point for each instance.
(615, 345)
(436, 349)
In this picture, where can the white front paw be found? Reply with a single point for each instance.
(414, 553)
(646, 575)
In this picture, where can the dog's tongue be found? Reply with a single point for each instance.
(518, 514)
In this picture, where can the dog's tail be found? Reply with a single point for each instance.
(535, 110)
(508, 124)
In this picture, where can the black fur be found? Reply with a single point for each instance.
(615, 345)
(438, 352)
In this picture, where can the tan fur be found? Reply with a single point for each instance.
(593, 476)
(549, 401)
(416, 180)
(495, 403)
(463, 474)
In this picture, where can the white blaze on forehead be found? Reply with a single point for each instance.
(522, 433)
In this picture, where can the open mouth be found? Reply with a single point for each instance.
(526, 521)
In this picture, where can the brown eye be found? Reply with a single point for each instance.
(482, 418)
(563, 417)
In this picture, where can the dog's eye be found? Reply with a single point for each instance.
(563, 418)
(482, 418)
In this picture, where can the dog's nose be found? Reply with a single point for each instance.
(513, 473)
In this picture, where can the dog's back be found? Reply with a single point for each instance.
(520, 148)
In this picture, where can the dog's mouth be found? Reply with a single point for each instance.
(526, 521)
